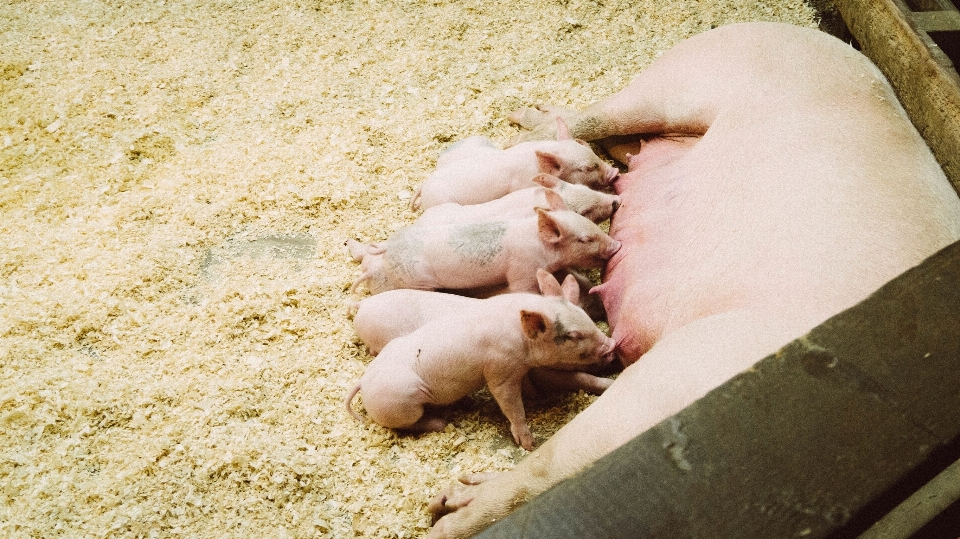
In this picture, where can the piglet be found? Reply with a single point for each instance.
(589, 300)
(482, 254)
(475, 171)
(383, 317)
(386, 316)
(495, 342)
(594, 205)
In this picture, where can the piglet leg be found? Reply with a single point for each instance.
(428, 424)
(549, 381)
(507, 394)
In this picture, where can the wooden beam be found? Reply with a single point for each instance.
(936, 21)
(924, 78)
(920, 508)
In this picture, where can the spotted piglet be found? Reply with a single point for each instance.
(474, 255)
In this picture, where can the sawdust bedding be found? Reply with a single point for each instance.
(176, 183)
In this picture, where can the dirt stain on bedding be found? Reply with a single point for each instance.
(176, 183)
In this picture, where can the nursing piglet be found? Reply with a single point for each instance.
(384, 317)
(483, 254)
(589, 300)
(494, 343)
(594, 205)
(475, 171)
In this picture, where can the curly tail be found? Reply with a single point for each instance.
(356, 284)
(415, 201)
(353, 393)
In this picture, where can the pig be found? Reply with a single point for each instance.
(496, 343)
(381, 318)
(482, 254)
(589, 301)
(774, 180)
(594, 205)
(385, 316)
(474, 171)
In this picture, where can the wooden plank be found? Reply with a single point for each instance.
(930, 5)
(818, 440)
(920, 508)
(927, 83)
(936, 21)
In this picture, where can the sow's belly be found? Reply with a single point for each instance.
(645, 284)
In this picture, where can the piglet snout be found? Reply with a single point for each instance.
(608, 352)
(612, 173)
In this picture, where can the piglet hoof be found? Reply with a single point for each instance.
(522, 436)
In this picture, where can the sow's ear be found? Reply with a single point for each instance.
(534, 324)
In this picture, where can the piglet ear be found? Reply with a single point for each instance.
(548, 163)
(563, 132)
(547, 227)
(554, 200)
(549, 286)
(534, 324)
(571, 289)
(546, 180)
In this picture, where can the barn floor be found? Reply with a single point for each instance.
(176, 183)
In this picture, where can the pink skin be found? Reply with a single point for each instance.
(774, 181)
(589, 301)
(594, 205)
(483, 254)
(386, 316)
(474, 171)
(380, 318)
(496, 343)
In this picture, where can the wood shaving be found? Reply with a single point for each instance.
(176, 183)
